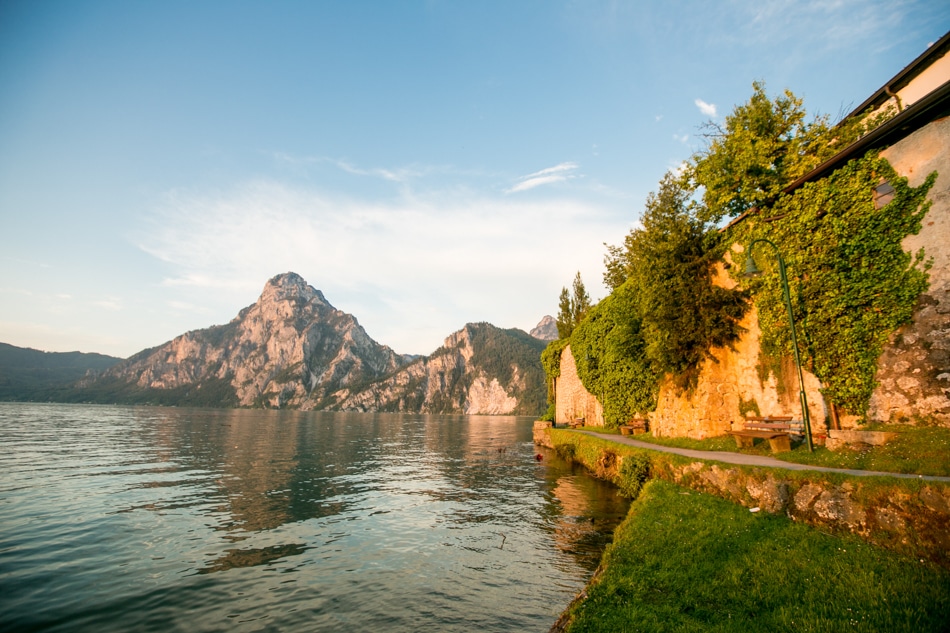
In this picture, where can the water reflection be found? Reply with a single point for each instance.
(387, 521)
(235, 558)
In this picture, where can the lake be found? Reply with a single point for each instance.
(172, 519)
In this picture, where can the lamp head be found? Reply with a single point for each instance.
(751, 270)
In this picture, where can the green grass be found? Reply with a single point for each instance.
(920, 450)
(686, 561)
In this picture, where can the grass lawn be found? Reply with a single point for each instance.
(921, 450)
(686, 561)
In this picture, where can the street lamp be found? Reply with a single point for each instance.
(751, 270)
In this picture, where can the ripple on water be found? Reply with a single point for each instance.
(154, 519)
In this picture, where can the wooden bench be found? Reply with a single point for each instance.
(775, 429)
(634, 427)
(576, 423)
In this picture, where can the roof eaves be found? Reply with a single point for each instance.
(935, 51)
(930, 108)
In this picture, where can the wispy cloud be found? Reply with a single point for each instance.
(817, 25)
(558, 173)
(708, 109)
(413, 268)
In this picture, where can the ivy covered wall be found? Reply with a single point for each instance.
(865, 272)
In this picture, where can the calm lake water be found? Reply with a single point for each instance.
(155, 519)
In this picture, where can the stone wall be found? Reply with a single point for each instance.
(914, 370)
(907, 516)
(572, 399)
(730, 385)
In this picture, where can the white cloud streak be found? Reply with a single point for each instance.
(558, 173)
(708, 109)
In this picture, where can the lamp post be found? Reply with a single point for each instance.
(751, 270)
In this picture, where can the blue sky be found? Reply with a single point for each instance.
(424, 164)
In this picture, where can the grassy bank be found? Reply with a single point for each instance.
(909, 516)
(687, 561)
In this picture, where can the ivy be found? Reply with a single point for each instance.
(852, 284)
(609, 350)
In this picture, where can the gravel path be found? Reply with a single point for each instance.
(753, 460)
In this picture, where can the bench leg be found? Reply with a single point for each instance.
(780, 444)
(744, 442)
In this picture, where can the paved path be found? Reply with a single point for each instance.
(753, 460)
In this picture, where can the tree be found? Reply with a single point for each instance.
(764, 145)
(565, 318)
(670, 263)
(572, 308)
(581, 300)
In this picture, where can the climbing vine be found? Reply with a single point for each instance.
(551, 362)
(852, 284)
(609, 350)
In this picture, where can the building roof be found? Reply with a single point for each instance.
(934, 52)
(934, 106)
(929, 108)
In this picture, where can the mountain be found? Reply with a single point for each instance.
(545, 330)
(292, 349)
(29, 374)
(481, 369)
(289, 349)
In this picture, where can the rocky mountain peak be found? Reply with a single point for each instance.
(546, 329)
(290, 285)
(292, 349)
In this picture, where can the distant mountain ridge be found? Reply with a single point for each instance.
(27, 373)
(481, 369)
(293, 349)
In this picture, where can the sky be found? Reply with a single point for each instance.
(425, 164)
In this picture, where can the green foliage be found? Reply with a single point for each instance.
(684, 561)
(664, 313)
(671, 261)
(763, 146)
(28, 374)
(551, 362)
(634, 473)
(852, 284)
(610, 353)
(572, 307)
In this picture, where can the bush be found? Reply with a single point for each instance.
(634, 472)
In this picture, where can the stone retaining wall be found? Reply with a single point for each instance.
(909, 516)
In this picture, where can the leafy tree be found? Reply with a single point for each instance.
(572, 307)
(763, 146)
(670, 262)
(565, 315)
